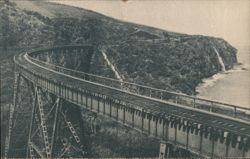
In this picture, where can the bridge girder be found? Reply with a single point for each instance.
(153, 119)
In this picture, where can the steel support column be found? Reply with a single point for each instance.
(16, 86)
(32, 119)
(55, 125)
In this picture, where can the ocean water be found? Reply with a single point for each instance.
(227, 86)
(232, 86)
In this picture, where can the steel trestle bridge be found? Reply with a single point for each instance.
(204, 127)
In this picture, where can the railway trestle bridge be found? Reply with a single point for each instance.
(204, 127)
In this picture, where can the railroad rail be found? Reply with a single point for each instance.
(175, 118)
(178, 98)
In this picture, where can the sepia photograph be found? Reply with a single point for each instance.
(125, 78)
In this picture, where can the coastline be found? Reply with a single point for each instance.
(225, 87)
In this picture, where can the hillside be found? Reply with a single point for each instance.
(136, 53)
(140, 54)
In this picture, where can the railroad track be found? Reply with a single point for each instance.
(156, 106)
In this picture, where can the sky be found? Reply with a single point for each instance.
(229, 19)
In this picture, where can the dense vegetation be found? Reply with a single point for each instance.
(141, 54)
(177, 65)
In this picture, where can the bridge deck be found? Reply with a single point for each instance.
(153, 105)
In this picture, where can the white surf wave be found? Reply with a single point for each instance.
(209, 82)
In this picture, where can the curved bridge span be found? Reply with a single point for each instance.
(204, 127)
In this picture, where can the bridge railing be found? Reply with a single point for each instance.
(178, 98)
